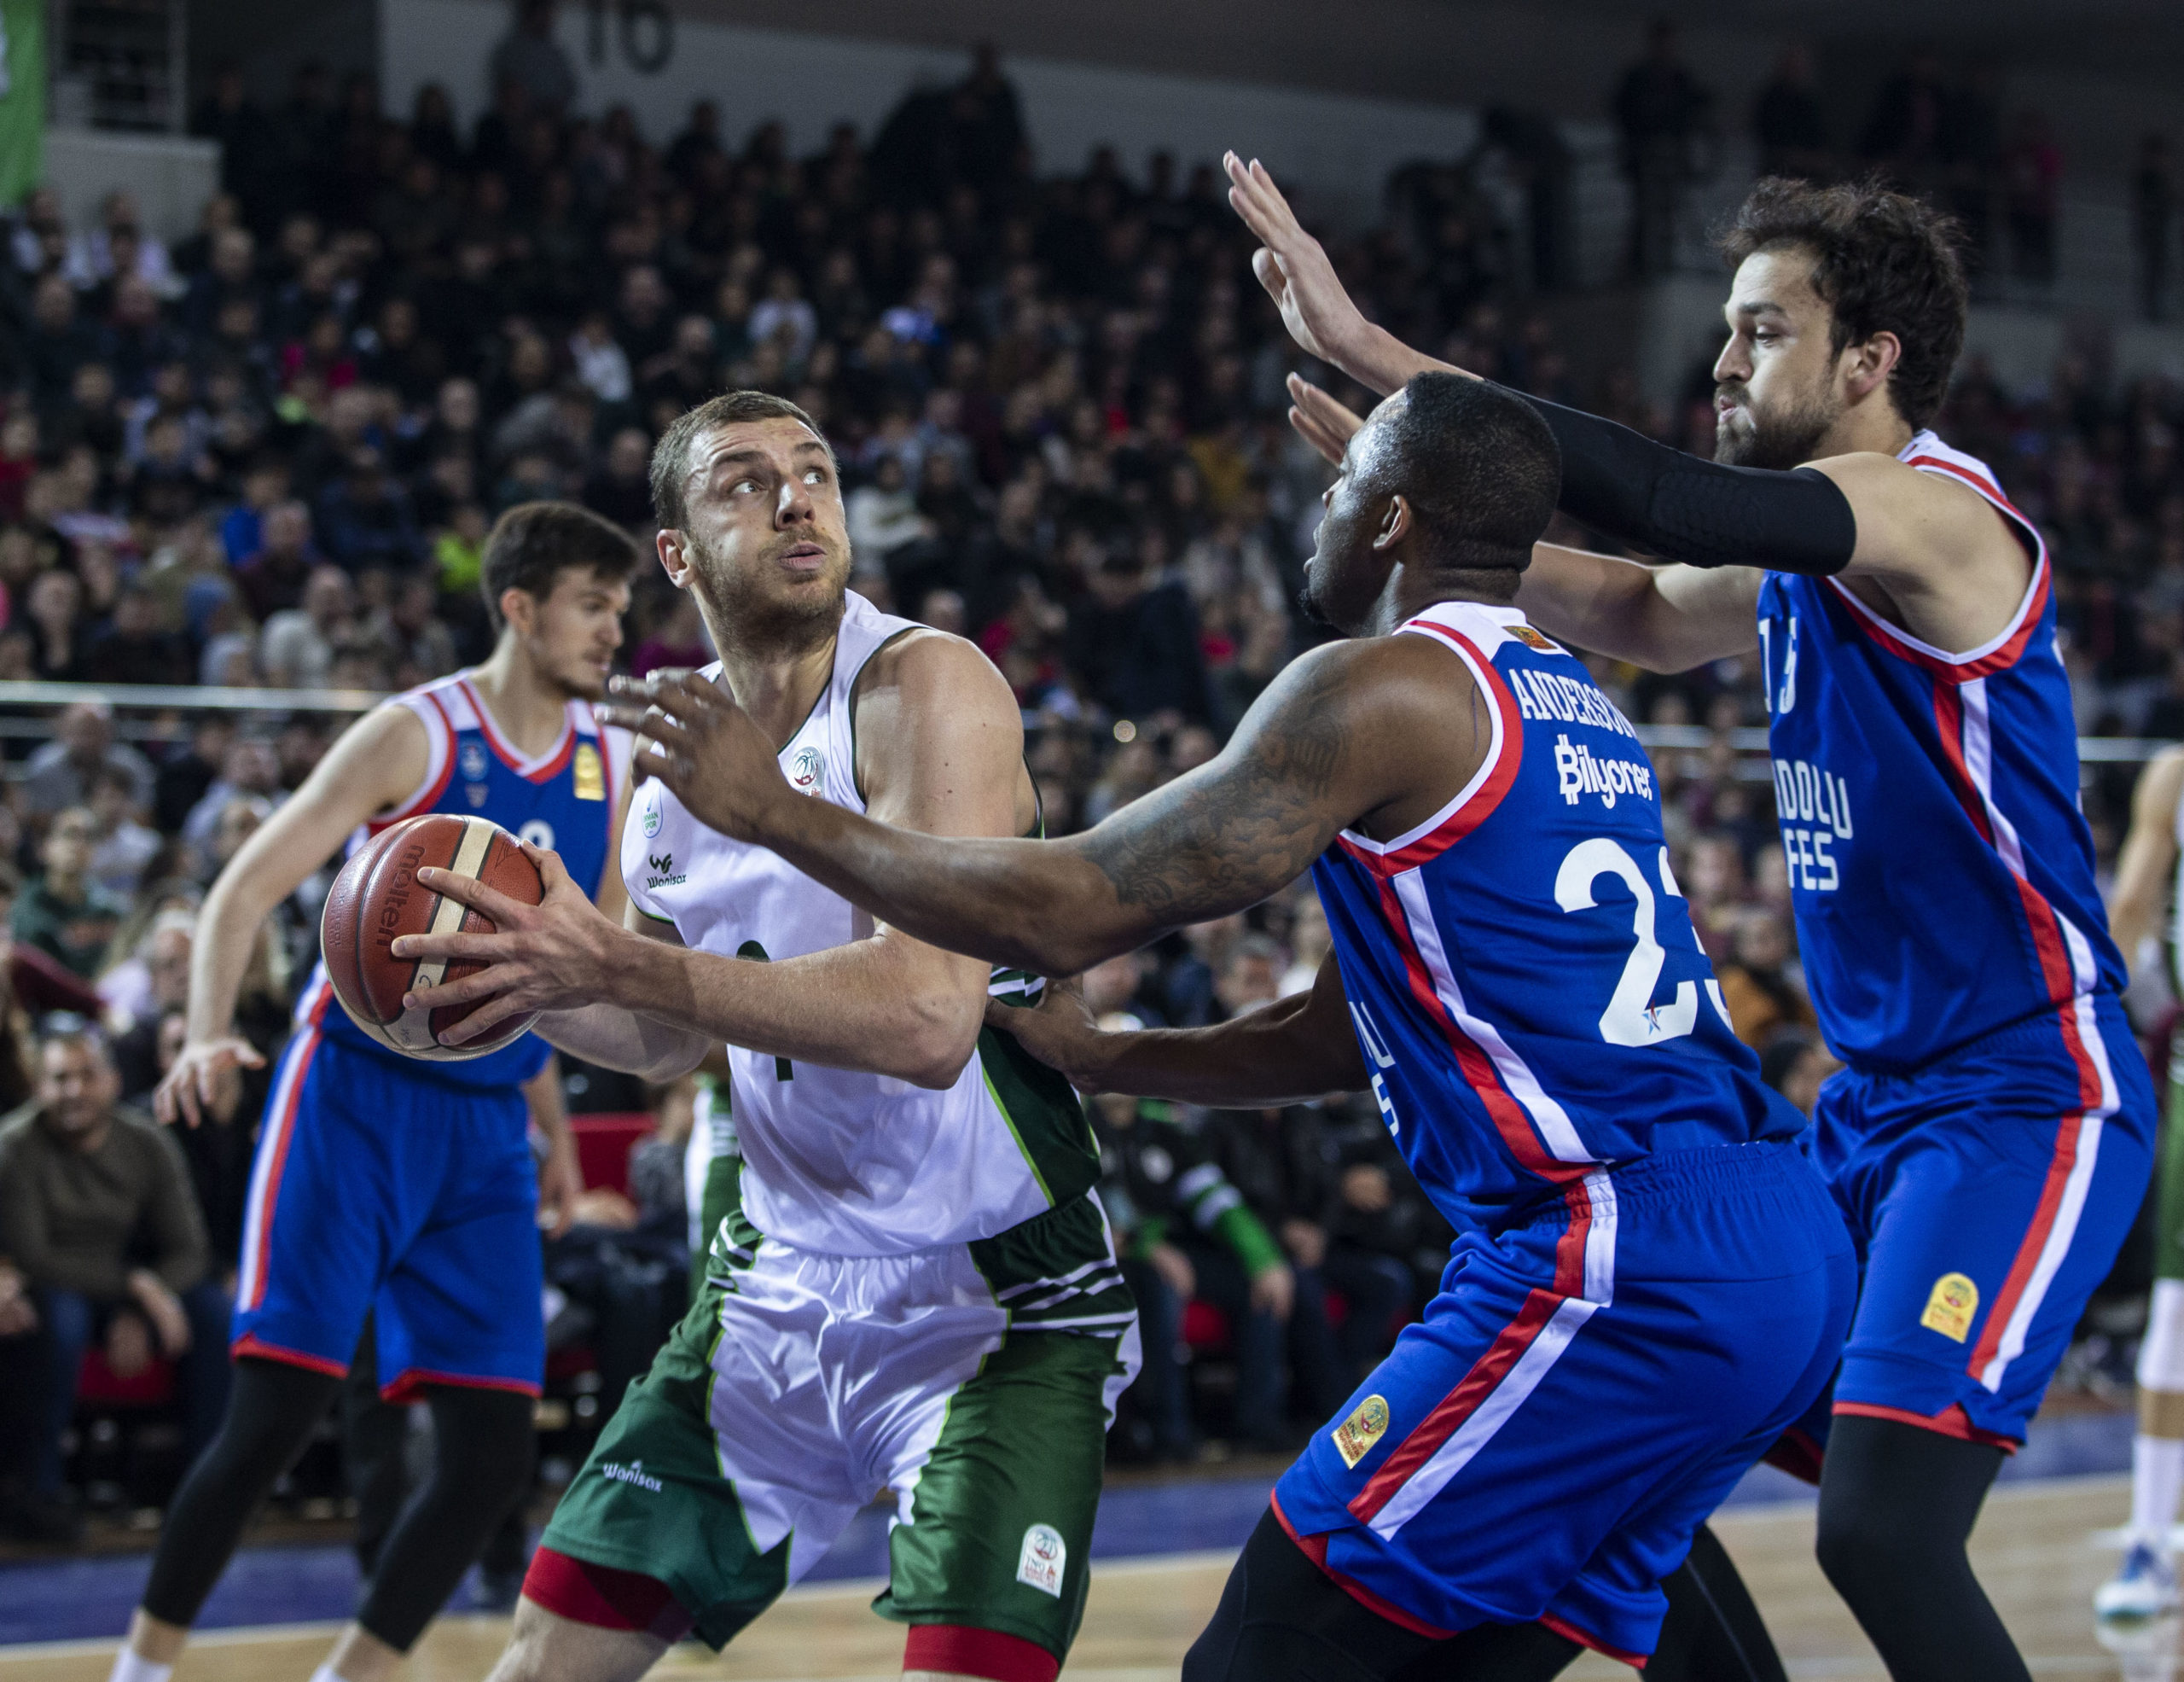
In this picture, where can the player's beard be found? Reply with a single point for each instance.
(741, 614)
(1781, 440)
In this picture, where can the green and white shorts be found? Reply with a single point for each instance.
(973, 1383)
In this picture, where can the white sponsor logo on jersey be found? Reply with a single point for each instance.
(634, 1473)
(1580, 773)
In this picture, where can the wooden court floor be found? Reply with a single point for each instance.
(2032, 1550)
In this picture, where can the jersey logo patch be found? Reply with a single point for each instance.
(807, 769)
(1531, 639)
(477, 793)
(1368, 1424)
(1042, 1559)
(591, 779)
(473, 760)
(1949, 1308)
(651, 813)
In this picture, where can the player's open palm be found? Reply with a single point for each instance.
(1292, 266)
(204, 1081)
(694, 738)
(552, 955)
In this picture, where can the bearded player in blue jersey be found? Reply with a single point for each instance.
(1991, 1141)
(1651, 1281)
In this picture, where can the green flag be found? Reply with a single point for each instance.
(22, 97)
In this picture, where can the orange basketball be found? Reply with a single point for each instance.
(376, 898)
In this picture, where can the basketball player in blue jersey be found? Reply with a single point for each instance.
(1991, 1140)
(1651, 1283)
(390, 1187)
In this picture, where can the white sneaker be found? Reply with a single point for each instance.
(2143, 1587)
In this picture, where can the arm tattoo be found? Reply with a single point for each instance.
(1255, 825)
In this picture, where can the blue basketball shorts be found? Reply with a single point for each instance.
(1987, 1193)
(381, 1191)
(1582, 1391)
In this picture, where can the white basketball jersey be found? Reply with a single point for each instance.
(836, 1160)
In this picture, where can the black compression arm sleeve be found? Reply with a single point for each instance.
(1683, 507)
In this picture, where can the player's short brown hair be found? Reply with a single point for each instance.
(671, 456)
(1883, 261)
(533, 544)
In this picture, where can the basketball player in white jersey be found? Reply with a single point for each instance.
(913, 1289)
(2149, 875)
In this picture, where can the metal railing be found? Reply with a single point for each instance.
(27, 710)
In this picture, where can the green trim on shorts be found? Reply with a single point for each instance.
(1043, 1113)
(1000, 1529)
(735, 1240)
(1055, 1272)
(2169, 1206)
(651, 1498)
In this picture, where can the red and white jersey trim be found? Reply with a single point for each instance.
(1928, 454)
(1472, 631)
(272, 1158)
(2067, 962)
(1511, 1367)
(536, 768)
(1547, 1114)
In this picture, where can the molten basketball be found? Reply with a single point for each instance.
(376, 899)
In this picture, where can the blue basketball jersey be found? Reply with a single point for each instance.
(564, 800)
(1940, 868)
(1532, 998)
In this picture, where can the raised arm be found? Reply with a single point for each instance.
(1293, 1049)
(1344, 731)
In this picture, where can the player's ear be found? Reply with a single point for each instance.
(1871, 363)
(519, 611)
(674, 557)
(1396, 523)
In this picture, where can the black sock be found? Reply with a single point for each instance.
(1897, 1503)
(271, 1411)
(1713, 1633)
(482, 1447)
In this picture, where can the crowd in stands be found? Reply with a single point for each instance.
(267, 457)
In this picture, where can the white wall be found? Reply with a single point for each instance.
(172, 177)
(1337, 146)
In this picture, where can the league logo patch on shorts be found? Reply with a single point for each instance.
(1949, 1308)
(1044, 1556)
(1368, 1424)
(591, 775)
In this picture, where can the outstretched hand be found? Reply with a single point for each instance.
(554, 956)
(1320, 421)
(694, 737)
(1293, 267)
